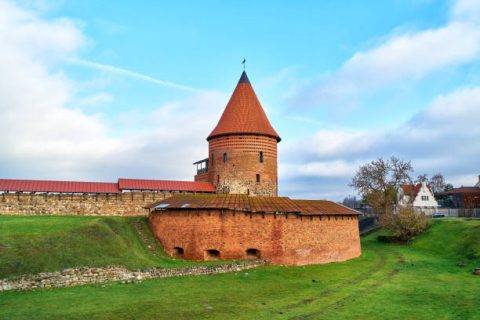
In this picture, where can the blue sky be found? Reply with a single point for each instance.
(96, 90)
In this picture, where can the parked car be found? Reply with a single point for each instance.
(438, 215)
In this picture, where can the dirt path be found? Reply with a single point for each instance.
(353, 283)
(139, 227)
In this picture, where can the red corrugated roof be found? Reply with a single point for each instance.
(461, 190)
(57, 186)
(323, 207)
(253, 204)
(165, 185)
(244, 114)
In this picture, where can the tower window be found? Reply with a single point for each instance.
(218, 178)
(211, 162)
(258, 177)
(225, 158)
(261, 156)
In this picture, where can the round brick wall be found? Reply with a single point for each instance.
(279, 239)
(238, 174)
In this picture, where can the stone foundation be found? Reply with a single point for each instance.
(88, 275)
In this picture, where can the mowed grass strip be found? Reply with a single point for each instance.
(387, 282)
(34, 244)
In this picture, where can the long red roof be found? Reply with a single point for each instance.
(244, 114)
(58, 186)
(103, 187)
(167, 185)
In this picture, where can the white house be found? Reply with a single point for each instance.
(419, 196)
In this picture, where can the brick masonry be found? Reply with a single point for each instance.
(239, 173)
(123, 204)
(280, 239)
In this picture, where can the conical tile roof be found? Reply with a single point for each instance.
(244, 114)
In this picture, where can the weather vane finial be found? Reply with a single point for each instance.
(243, 62)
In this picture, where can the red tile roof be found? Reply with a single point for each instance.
(253, 204)
(58, 186)
(244, 114)
(165, 185)
(410, 189)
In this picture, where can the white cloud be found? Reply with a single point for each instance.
(95, 100)
(133, 74)
(44, 135)
(324, 169)
(457, 110)
(445, 137)
(402, 56)
(466, 10)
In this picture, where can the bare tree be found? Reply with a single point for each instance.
(377, 181)
(351, 202)
(422, 178)
(437, 183)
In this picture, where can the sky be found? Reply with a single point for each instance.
(100, 90)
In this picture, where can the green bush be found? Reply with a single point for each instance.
(405, 224)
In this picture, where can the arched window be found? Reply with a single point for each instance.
(225, 157)
(260, 157)
(178, 252)
(253, 253)
(212, 254)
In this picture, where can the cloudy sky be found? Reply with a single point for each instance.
(97, 90)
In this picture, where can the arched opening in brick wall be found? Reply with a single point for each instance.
(212, 254)
(253, 253)
(178, 252)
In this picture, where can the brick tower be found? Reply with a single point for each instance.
(242, 148)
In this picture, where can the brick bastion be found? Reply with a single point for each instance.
(279, 230)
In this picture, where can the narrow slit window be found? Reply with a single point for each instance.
(258, 177)
(218, 178)
(212, 160)
(225, 157)
(261, 156)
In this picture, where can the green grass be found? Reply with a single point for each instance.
(46, 243)
(454, 239)
(418, 281)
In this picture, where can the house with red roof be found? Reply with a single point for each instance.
(418, 196)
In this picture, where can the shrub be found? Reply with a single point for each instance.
(405, 224)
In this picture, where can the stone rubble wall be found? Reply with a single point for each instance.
(89, 275)
(122, 204)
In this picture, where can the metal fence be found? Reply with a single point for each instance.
(453, 212)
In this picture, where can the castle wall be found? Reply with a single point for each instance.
(239, 173)
(123, 204)
(280, 239)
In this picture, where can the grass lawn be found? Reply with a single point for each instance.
(418, 281)
(32, 244)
